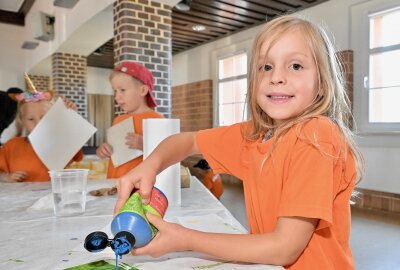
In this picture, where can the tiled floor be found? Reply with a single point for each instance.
(375, 236)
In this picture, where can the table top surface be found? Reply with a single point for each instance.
(33, 238)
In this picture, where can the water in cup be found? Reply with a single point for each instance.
(69, 191)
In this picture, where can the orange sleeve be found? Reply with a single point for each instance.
(3, 159)
(222, 148)
(308, 188)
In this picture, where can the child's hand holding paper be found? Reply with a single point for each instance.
(124, 142)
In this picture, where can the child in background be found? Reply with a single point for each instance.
(18, 160)
(133, 87)
(297, 159)
(8, 108)
(212, 181)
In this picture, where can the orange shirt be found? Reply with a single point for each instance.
(298, 179)
(115, 172)
(214, 183)
(18, 155)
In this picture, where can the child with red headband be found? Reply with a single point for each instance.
(133, 89)
(18, 160)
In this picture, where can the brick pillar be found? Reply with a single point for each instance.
(69, 78)
(142, 33)
(42, 83)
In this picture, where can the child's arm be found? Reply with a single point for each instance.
(169, 151)
(280, 247)
(17, 176)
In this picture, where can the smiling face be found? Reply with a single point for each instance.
(32, 113)
(130, 94)
(288, 75)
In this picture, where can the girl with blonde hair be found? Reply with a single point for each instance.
(296, 156)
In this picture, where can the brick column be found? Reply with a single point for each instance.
(69, 78)
(142, 33)
(42, 83)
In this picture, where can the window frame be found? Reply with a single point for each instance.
(233, 78)
(360, 40)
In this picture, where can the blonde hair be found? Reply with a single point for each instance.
(18, 118)
(331, 100)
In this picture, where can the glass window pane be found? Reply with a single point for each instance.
(232, 66)
(226, 93)
(384, 29)
(384, 69)
(226, 116)
(240, 90)
(383, 105)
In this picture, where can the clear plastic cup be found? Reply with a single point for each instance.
(69, 191)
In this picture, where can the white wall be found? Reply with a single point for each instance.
(381, 151)
(97, 81)
(11, 61)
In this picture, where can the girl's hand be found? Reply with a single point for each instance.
(68, 103)
(142, 177)
(134, 141)
(104, 151)
(171, 237)
(17, 176)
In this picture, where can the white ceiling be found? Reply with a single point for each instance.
(11, 5)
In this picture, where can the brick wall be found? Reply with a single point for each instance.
(346, 58)
(193, 104)
(69, 78)
(142, 33)
(42, 83)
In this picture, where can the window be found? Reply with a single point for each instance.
(232, 89)
(384, 74)
(376, 45)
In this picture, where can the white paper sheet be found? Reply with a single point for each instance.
(116, 138)
(60, 135)
(209, 223)
(169, 180)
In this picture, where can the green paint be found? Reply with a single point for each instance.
(103, 265)
(16, 260)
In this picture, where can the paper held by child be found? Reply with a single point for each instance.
(60, 135)
(116, 138)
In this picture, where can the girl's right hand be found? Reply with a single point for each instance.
(104, 151)
(142, 177)
(17, 176)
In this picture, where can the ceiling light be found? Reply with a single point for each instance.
(183, 5)
(198, 27)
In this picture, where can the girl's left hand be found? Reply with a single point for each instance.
(171, 237)
(68, 103)
(134, 141)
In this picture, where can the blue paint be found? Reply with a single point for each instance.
(130, 227)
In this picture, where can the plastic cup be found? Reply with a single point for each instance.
(69, 191)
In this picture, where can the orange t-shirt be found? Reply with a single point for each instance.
(214, 183)
(115, 172)
(298, 179)
(18, 155)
